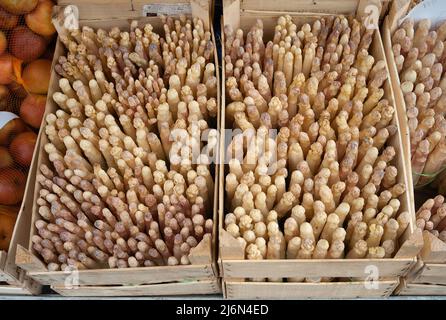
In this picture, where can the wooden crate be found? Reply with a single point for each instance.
(430, 271)
(233, 267)
(198, 278)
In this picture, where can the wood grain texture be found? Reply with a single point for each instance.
(412, 289)
(13, 290)
(434, 250)
(283, 291)
(400, 106)
(314, 268)
(168, 289)
(324, 6)
(432, 274)
(133, 276)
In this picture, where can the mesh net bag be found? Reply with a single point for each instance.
(27, 39)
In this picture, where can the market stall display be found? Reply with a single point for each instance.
(303, 207)
(119, 184)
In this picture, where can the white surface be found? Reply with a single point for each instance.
(435, 10)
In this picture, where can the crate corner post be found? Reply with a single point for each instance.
(412, 246)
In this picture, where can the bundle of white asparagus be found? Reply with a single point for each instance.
(431, 217)
(420, 59)
(326, 186)
(118, 192)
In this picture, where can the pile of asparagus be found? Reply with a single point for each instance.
(431, 216)
(420, 59)
(326, 186)
(118, 191)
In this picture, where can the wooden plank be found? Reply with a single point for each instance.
(440, 280)
(28, 261)
(412, 246)
(400, 107)
(201, 254)
(20, 286)
(284, 291)
(314, 268)
(231, 16)
(231, 250)
(434, 270)
(414, 270)
(422, 290)
(397, 10)
(138, 4)
(217, 186)
(128, 9)
(3, 255)
(201, 9)
(3, 276)
(221, 167)
(432, 274)
(323, 6)
(434, 250)
(184, 288)
(13, 290)
(127, 276)
(98, 10)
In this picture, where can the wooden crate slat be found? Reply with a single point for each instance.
(283, 291)
(166, 289)
(314, 268)
(434, 280)
(3, 276)
(434, 270)
(324, 6)
(431, 274)
(413, 289)
(13, 290)
(132, 276)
